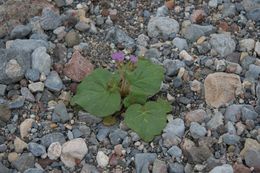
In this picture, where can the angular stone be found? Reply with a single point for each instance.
(25, 161)
(41, 60)
(48, 139)
(50, 20)
(20, 31)
(60, 113)
(223, 44)
(53, 82)
(28, 45)
(19, 145)
(36, 87)
(221, 88)
(25, 126)
(142, 161)
(78, 67)
(54, 151)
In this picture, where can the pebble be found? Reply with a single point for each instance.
(27, 45)
(223, 169)
(72, 38)
(180, 43)
(142, 161)
(53, 82)
(32, 75)
(252, 158)
(34, 170)
(20, 31)
(12, 157)
(247, 44)
(230, 139)
(60, 113)
(197, 131)
(257, 48)
(54, 151)
(41, 61)
(36, 87)
(19, 145)
(102, 159)
(162, 25)
(117, 136)
(73, 149)
(175, 127)
(25, 126)
(176, 168)
(24, 162)
(50, 20)
(216, 121)
(48, 139)
(159, 166)
(175, 152)
(172, 66)
(194, 31)
(36, 149)
(2, 89)
(223, 44)
(5, 113)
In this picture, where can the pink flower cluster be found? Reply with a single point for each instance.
(120, 56)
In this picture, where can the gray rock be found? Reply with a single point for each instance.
(52, 137)
(175, 152)
(159, 166)
(5, 113)
(162, 26)
(87, 168)
(32, 75)
(85, 130)
(88, 118)
(175, 127)
(234, 112)
(28, 45)
(252, 158)
(180, 43)
(198, 154)
(250, 4)
(142, 161)
(77, 133)
(20, 31)
(39, 36)
(213, 3)
(100, 20)
(172, 66)
(2, 89)
(117, 136)
(194, 31)
(197, 131)
(34, 170)
(27, 94)
(13, 65)
(223, 169)
(53, 81)
(223, 44)
(152, 53)
(176, 168)
(3, 148)
(142, 40)
(72, 38)
(247, 61)
(229, 10)
(60, 113)
(230, 139)
(254, 15)
(60, 3)
(82, 26)
(118, 36)
(24, 162)
(248, 114)
(162, 11)
(215, 121)
(4, 168)
(36, 149)
(253, 73)
(41, 60)
(230, 128)
(102, 133)
(17, 102)
(50, 20)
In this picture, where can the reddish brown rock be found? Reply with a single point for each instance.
(198, 16)
(78, 67)
(170, 4)
(240, 168)
(223, 26)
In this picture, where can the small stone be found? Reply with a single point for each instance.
(176, 168)
(12, 157)
(5, 113)
(17, 102)
(185, 56)
(36, 149)
(73, 150)
(223, 169)
(117, 136)
(175, 152)
(50, 20)
(34, 170)
(142, 40)
(60, 3)
(78, 67)
(102, 159)
(257, 48)
(19, 145)
(13, 69)
(142, 161)
(162, 25)
(72, 38)
(41, 60)
(48, 139)
(175, 127)
(252, 158)
(180, 43)
(193, 31)
(24, 162)
(32, 75)
(54, 151)
(223, 44)
(250, 144)
(88, 118)
(89, 169)
(162, 11)
(198, 16)
(53, 82)
(36, 87)
(159, 166)
(2, 89)
(221, 88)
(230, 139)
(195, 86)
(197, 131)
(25, 126)
(20, 31)
(216, 121)
(172, 66)
(213, 3)
(247, 44)
(240, 168)
(60, 113)
(27, 94)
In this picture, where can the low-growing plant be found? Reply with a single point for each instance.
(125, 92)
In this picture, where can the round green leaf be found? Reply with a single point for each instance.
(99, 94)
(144, 81)
(148, 120)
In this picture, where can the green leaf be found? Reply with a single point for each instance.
(144, 81)
(133, 98)
(148, 120)
(99, 93)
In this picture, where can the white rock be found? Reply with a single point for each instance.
(74, 149)
(184, 55)
(25, 126)
(102, 159)
(54, 151)
(36, 87)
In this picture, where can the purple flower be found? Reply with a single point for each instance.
(118, 56)
(133, 59)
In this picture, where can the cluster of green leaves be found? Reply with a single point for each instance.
(101, 94)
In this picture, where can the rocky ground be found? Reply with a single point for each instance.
(210, 50)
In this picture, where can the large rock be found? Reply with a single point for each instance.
(13, 65)
(73, 150)
(162, 26)
(223, 44)
(78, 67)
(221, 88)
(28, 45)
(193, 31)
